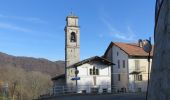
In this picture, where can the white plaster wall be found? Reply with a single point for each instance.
(127, 80)
(123, 83)
(143, 64)
(87, 81)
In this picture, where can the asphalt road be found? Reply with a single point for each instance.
(101, 97)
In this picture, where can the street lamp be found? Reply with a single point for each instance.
(147, 47)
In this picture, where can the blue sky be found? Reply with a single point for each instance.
(35, 28)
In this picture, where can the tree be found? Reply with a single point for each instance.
(24, 85)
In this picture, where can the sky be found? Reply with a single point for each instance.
(35, 28)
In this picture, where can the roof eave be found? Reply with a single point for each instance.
(89, 60)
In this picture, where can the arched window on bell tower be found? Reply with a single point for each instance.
(73, 37)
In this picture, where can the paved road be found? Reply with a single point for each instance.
(102, 97)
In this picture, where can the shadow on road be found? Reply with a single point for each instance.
(138, 96)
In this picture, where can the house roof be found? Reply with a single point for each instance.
(132, 49)
(95, 58)
(62, 76)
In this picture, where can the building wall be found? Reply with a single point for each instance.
(118, 54)
(138, 85)
(109, 54)
(160, 73)
(88, 81)
(59, 82)
(127, 79)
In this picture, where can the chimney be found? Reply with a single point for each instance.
(140, 44)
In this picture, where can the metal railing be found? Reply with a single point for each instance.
(81, 89)
(84, 89)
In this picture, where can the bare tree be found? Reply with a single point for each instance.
(24, 85)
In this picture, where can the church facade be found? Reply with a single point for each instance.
(94, 75)
(89, 75)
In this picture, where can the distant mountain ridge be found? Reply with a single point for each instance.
(33, 64)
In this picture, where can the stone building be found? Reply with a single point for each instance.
(130, 74)
(91, 73)
(159, 87)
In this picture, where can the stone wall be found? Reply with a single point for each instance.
(159, 87)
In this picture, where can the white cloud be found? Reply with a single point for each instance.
(30, 19)
(13, 27)
(30, 32)
(128, 35)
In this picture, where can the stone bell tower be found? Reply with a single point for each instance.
(72, 40)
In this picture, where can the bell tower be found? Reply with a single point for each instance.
(72, 40)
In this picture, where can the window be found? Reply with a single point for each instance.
(118, 77)
(91, 72)
(71, 71)
(137, 66)
(118, 63)
(138, 77)
(73, 37)
(117, 53)
(139, 89)
(123, 89)
(123, 63)
(97, 71)
(135, 77)
(94, 71)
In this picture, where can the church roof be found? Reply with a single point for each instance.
(95, 58)
(132, 49)
(62, 76)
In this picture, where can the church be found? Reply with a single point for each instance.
(89, 75)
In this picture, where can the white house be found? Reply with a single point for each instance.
(89, 75)
(130, 74)
(94, 75)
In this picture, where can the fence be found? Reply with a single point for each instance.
(4, 93)
(85, 89)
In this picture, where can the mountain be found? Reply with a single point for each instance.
(33, 64)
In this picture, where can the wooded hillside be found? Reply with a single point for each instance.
(26, 77)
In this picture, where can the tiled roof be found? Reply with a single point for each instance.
(132, 49)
